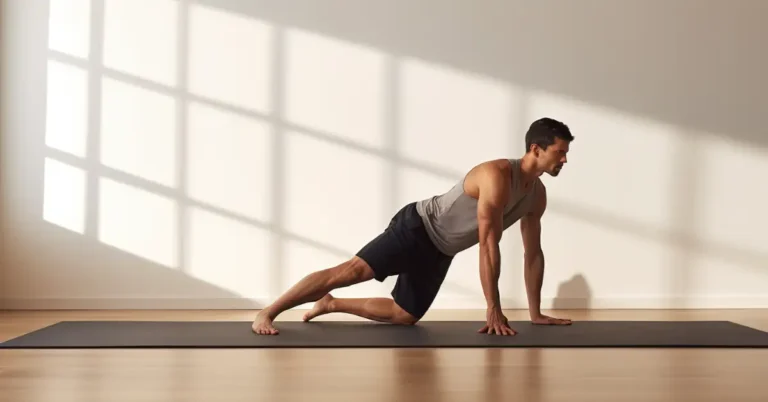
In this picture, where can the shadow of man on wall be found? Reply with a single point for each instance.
(574, 293)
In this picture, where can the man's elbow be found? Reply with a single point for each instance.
(532, 253)
(490, 238)
(489, 233)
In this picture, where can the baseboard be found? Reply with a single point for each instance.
(611, 303)
(134, 304)
(457, 303)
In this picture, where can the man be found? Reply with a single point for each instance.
(422, 238)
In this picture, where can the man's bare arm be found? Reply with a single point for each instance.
(493, 193)
(530, 227)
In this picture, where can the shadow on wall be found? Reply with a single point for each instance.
(574, 293)
(76, 272)
(692, 68)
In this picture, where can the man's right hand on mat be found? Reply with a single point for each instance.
(496, 324)
(547, 320)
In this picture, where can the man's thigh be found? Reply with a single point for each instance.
(416, 290)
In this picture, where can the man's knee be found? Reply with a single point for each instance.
(402, 317)
(351, 272)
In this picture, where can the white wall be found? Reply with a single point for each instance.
(2, 111)
(159, 153)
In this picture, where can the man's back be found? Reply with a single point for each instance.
(451, 218)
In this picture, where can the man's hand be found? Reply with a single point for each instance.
(547, 320)
(496, 324)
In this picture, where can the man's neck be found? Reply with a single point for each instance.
(528, 170)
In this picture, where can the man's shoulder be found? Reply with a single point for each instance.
(489, 175)
(492, 166)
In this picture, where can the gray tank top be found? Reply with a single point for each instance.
(451, 218)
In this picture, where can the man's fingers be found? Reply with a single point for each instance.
(499, 329)
(552, 321)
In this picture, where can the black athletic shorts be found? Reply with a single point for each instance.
(404, 249)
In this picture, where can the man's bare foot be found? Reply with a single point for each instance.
(262, 325)
(322, 306)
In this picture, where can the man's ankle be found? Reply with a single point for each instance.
(268, 312)
(332, 306)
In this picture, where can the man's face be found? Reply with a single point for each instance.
(553, 158)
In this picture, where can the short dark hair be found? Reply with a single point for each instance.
(543, 132)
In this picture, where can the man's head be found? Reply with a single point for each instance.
(547, 143)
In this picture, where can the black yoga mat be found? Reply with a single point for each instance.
(368, 334)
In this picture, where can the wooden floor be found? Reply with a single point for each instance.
(423, 375)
